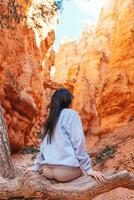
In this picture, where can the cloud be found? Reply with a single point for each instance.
(91, 8)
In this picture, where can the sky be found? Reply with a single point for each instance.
(73, 17)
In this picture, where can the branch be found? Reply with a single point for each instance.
(34, 186)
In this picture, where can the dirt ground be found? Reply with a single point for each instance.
(123, 158)
(117, 194)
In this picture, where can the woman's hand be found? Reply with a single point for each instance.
(97, 175)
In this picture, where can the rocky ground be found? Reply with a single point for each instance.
(117, 153)
(123, 158)
(117, 194)
(122, 140)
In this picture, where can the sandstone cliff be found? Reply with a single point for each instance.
(100, 64)
(26, 54)
(116, 98)
(98, 68)
(86, 65)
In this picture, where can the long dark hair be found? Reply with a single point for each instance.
(61, 99)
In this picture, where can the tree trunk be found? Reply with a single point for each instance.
(6, 167)
(34, 186)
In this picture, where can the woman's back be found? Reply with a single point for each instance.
(63, 144)
(61, 150)
(67, 135)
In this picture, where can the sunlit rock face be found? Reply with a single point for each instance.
(101, 65)
(116, 98)
(98, 68)
(74, 64)
(85, 63)
(26, 55)
(66, 62)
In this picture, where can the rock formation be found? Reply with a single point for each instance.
(66, 59)
(26, 55)
(98, 68)
(79, 62)
(116, 98)
(101, 66)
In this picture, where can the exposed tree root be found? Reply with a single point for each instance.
(34, 186)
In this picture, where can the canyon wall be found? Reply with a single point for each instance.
(98, 68)
(84, 62)
(66, 59)
(100, 64)
(26, 55)
(116, 98)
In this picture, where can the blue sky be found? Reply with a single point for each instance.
(73, 17)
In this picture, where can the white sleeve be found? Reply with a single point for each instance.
(75, 131)
(39, 159)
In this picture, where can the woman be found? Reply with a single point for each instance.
(63, 155)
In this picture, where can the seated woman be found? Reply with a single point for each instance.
(63, 155)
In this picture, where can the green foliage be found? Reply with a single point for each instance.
(29, 150)
(11, 13)
(59, 4)
(104, 154)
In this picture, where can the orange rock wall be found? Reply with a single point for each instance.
(66, 59)
(116, 99)
(98, 68)
(86, 65)
(101, 66)
(25, 57)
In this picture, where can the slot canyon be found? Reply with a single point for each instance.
(98, 67)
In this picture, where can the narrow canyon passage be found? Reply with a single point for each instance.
(97, 67)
